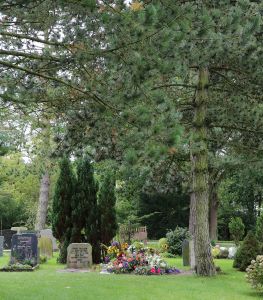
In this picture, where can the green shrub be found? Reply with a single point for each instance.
(255, 273)
(175, 239)
(42, 259)
(237, 229)
(167, 255)
(259, 228)
(213, 243)
(137, 245)
(163, 245)
(215, 252)
(248, 251)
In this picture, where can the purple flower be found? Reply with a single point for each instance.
(106, 259)
(115, 243)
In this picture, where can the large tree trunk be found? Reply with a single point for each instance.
(213, 202)
(192, 226)
(203, 256)
(43, 202)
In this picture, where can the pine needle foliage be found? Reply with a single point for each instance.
(61, 209)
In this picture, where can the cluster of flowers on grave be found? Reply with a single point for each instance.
(136, 259)
(255, 273)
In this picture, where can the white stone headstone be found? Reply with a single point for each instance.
(232, 252)
(79, 256)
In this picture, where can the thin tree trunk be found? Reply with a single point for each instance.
(43, 202)
(213, 202)
(203, 256)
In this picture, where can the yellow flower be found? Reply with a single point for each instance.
(136, 6)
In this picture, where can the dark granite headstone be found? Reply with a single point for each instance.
(185, 251)
(1, 245)
(24, 249)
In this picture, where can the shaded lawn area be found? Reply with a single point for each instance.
(46, 283)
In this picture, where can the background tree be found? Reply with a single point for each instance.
(85, 209)
(62, 207)
(106, 207)
(152, 58)
(259, 228)
(237, 229)
(248, 251)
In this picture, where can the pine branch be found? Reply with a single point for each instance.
(27, 55)
(173, 84)
(35, 39)
(65, 83)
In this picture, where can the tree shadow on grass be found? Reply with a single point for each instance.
(254, 294)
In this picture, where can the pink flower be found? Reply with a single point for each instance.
(120, 265)
(152, 270)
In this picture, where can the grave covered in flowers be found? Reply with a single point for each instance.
(136, 259)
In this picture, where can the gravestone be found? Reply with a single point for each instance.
(1, 245)
(232, 252)
(24, 249)
(186, 253)
(19, 229)
(79, 256)
(48, 233)
(45, 246)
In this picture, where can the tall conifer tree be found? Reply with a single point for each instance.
(107, 211)
(61, 213)
(85, 210)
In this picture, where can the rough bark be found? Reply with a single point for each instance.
(203, 256)
(43, 202)
(192, 225)
(213, 207)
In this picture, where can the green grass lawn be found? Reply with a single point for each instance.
(46, 283)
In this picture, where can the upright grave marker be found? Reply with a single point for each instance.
(1, 245)
(45, 246)
(48, 233)
(24, 249)
(186, 253)
(79, 256)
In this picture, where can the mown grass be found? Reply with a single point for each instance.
(46, 283)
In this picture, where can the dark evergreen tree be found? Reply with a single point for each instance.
(107, 211)
(61, 212)
(248, 251)
(85, 207)
(163, 212)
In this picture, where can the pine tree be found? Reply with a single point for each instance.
(61, 213)
(248, 251)
(85, 207)
(107, 211)
(201, 56)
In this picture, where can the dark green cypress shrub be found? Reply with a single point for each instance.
(85, 210)
(61, 207)
(107, 211)
(248, 251)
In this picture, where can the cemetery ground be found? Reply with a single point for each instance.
(47, 283)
